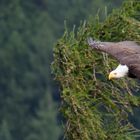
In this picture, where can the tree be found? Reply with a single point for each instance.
(24, 73)
(95, 108)
(4, 131)
(45, 125)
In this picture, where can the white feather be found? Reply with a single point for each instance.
(120, 71)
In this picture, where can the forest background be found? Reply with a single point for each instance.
(29, 97)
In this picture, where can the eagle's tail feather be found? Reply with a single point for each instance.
(93, 43)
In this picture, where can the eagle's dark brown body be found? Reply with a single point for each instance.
(126, 52)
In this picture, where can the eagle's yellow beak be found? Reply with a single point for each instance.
(111, 76)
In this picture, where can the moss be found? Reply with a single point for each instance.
(94, 107)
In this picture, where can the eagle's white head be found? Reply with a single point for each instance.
(120, 71)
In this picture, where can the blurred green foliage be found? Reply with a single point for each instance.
(94, 107)
(25, 79)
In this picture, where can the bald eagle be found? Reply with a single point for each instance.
(126, 52)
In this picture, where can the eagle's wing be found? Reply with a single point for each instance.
(119, 50)
(126, 52)
(135, 70)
